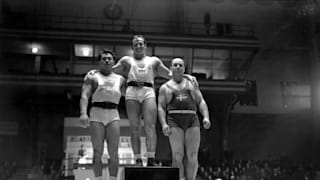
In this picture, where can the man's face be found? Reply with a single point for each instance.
(177, 66)
(106, 60)
(138, 45)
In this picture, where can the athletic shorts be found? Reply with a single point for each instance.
(104, 116)
(183, 121)
(139, 93)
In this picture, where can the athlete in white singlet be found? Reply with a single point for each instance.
(140, 71)
(104, 87)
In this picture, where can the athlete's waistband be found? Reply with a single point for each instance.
(139, 84)
(182, 112)
(105, 105)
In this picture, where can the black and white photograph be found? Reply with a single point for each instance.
(160, 89)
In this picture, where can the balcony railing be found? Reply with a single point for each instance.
(75, 81)
(77, 23)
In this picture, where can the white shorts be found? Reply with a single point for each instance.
(104, 116)
(139, 93)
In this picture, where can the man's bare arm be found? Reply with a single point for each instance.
(162, 105)
(122, 66)
(162, 69)
(123, 86)
(85, 95)
(203, 108)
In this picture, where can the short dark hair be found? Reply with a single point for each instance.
(139, 36)
(105, 51)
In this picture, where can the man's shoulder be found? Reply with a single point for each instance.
(117, 76)
(154, 59)
(168, 85)
(192, 79)
(126, 59)
(91, 73)
(189, 77)
(90, 76)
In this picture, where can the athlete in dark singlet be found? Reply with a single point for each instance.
(182, 108)
(179, 99)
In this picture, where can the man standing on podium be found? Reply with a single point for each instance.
(105, 89)
(178, 101)
(140, 71)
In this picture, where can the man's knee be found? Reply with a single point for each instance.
(97, 152)
(135, 131)
(114, 157)
(193, 157)
(150, 121)
(149, 127)
(97, 156)
(178, 156)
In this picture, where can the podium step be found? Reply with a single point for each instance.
(132, 173)
(151, 173)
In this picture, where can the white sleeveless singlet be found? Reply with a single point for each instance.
(108, 88)
(142, 70)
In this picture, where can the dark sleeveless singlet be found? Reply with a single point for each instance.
(182, 100)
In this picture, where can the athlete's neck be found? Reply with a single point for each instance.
(139, 56)
(177, 79)
(105, 72)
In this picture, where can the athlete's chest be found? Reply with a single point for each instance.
(106, 81)
(179, 86)
(142, 66)
(181, 96)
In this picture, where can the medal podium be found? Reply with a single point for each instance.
(81, 167)
(132, 173)
(151, 173)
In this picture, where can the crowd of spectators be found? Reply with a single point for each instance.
(51, 169)
(7, 169)
(276, 169)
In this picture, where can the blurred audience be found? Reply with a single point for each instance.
(274, 169)
(7, 169)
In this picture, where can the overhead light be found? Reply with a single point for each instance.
(83, 50)
(34, 50)
(35, 47)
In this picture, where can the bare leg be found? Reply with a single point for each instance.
(133, 112)
(176, 139)
(112, 136)
(149, 112)
(97, 131)
(192, 139)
